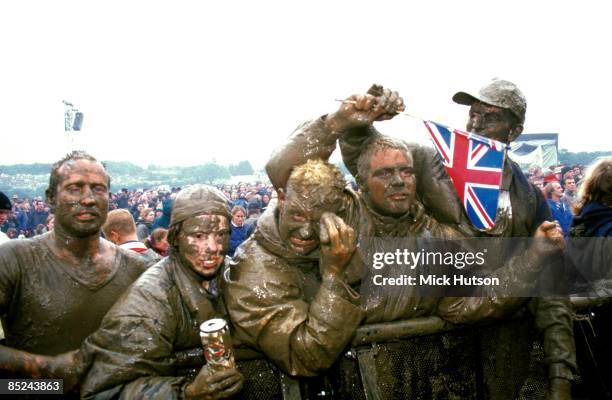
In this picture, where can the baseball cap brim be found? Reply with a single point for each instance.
(465, 98)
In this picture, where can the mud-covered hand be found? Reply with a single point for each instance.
(337, 245)
(419, 218)
(378, 104)
(548, 239)
(212, 385)
(69, 367)
(559, 389)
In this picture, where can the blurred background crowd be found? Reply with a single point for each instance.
(150, 208)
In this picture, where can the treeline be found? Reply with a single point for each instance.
(208, 172)
(30, 180)
(582, 157)
(31, 169)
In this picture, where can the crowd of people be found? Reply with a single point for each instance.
(559, 186)
(296, 287)
(150, 209)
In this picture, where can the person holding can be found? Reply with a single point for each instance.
(132, 353)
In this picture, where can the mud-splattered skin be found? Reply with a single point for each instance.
(203, 242)
(80, 202)
(493, 122)
(80, 205)
(299, 219)
(160, 313)
(390, 185)
(55, 288)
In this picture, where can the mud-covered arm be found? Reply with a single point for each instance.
(311, 140)
(351, 145)
(130, 354)
(553, 317)
(18, 363)
(269, 312)
(21, 364)
(518, 277)
(10, 276)
(488, 302)
(317, 139)
(14, 362)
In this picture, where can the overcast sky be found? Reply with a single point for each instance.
(185, 82)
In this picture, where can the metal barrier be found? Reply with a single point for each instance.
(422, 358)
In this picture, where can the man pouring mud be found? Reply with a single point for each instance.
(133, 351)
(55, 288)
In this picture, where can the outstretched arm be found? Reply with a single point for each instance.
(518, 277)
(317, 139)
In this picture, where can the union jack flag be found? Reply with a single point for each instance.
(475, 166)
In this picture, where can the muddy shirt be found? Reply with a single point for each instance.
(133, 351)
(48, 309)
(279, 304)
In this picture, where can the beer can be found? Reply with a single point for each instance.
(217, 343)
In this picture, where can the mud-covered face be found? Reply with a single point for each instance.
(491, 122)
(390, 184)
(299, 220)
(81, 201)
(203, 242)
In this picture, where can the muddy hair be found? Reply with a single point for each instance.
(54, 177)
(371, 146)
(173, 233)
(596, 185)
(319, 181)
